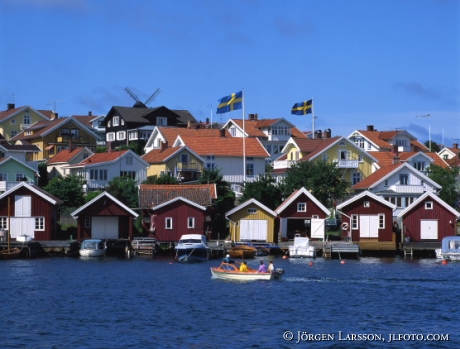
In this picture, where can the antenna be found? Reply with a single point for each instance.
(53, 103)
(136, 98)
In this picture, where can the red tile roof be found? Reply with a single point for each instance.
(102, 157)
(154, 195)
(65, 155)
(253, 127)
(156, 156)
(373, 178)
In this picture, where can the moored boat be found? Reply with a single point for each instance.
(10, 253)
(302, 248)
(242, 252)
(192, 248)
(231, 271)
(92, 248)
(450, 248)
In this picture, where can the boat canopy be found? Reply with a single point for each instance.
(451, 244)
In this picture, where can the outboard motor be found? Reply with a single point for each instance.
(278, 273)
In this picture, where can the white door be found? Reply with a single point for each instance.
(253, 229)
(368, 226)
(104, 227)
(22, 226)
(317, 228)
(428, 229)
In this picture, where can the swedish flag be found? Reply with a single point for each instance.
(229, 103)
(302, 108)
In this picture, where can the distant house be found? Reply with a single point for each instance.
(124, 125)
(100, 168)
(56, 166)
(370, 140)
(95, 123)
(400, 183)
(28, 210)
(162, 209)
(448, 153)
(429, 218)
(104, 217)
(25, 153)
(272, 133)
(14, 172)
(178, 216)
(368, 218)
(252, 221)
(54, 135)
(301, 213)
(14, 119)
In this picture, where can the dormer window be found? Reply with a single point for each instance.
(301, 207)
(428, 205)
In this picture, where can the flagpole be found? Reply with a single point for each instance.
(244, 141)
(312, 119)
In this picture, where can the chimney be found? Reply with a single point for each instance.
(222, 132)
(207, 120)
(396, 159)
(395, 149)
(109, 147)
(71, 146)
(327, 133)
(191, 124)
(253, 117)
(455, 145)
(370, 127)
(90, 113)
(164, 145)
(318, 134)
(415, 148)
(54, 115)
(10, 106)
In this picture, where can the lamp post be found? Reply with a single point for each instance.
(429, 130)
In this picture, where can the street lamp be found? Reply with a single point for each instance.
(429, 130)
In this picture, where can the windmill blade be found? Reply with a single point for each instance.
(131, 93)
(153, 96)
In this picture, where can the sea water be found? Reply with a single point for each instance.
(146, 302)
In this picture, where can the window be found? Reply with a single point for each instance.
(132, 135)
(301, 207)
(110, 137)
(386, 182)
(356, 177)
(445, 157)
(210, 165)
(184, 158)
(108, 124)
(121, 135)
(381, 221)
(129, 160)
(249, 169)
(401, 142)
(13, 122)
(344, 155)
(14, 133)
(103, 175)
(191, 222)
(403, 179)
(367, 204)
(162, 121)
(75, 133)
(130, 174)
(252, 210)
(4, 223)
(233, 131)
(26, 119)
(39, 223)
(419, 165)
(168, 223)
(324, 156)
(429, 205)
(87, 221)
(359, 142)
(354, 221)
(360, 158)
(3, 176)
(20, 177)
(116, 121)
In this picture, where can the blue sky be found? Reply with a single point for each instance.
(364, 62)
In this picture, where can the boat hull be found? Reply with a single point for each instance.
(450, 248)
(300, 252)
(192, 255)
(230, 271)
(92, 248)
(13, 253)
(242, 252)
(91, 253)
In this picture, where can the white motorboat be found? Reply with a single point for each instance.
(92, 248)
(450, 249)
(302, 248)
(192, 248)
(231, 271)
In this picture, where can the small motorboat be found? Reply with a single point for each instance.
(450, 249)
(262, 251)
(192, 248)
(231, 271)
(92, 248)
(242, 252)
(302, 248)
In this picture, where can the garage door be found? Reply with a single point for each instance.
(368, 226)
(428, 229)
(104, 228)
(253, 229)
(22, 226)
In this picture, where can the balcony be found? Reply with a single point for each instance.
(67, 139)
(188, 167)
(346, 163)
(409, 189)
(282, 164)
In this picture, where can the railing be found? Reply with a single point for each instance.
(346, 163)
(190, 166)
(7, 185)
(283, 164)
(67, 139)
(409, 189)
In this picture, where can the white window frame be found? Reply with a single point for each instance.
(301, 207)
(19, 176)
(87, 221)
(367, 204)
(39, 223)
(252, 210)
(354, 222)
(381, 220)
(3, 176)
(429, 205)
(191, 222)
(4, 223)
(168, 223)
(121, 135)
(110, 136)
(116, 121)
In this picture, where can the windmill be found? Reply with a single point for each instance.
(138, 101)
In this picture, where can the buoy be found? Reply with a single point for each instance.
(444, 261)
(342, 262)
(310, 264)
(284, 257)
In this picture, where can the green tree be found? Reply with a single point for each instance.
(138, 148)
(162, 179)
(43, 173)
(225, 199)
(324, 180)
(125, 190)
(69, 189)
(434, 146)
(91, 195)
(265, 190)
(445, 177)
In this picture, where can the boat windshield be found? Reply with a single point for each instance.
(190, 241)
(92, 245)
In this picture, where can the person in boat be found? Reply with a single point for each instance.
(244, 267)
(227, 259)
(271, 267)
(262, 267)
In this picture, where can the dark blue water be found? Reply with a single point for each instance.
(157, 303)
